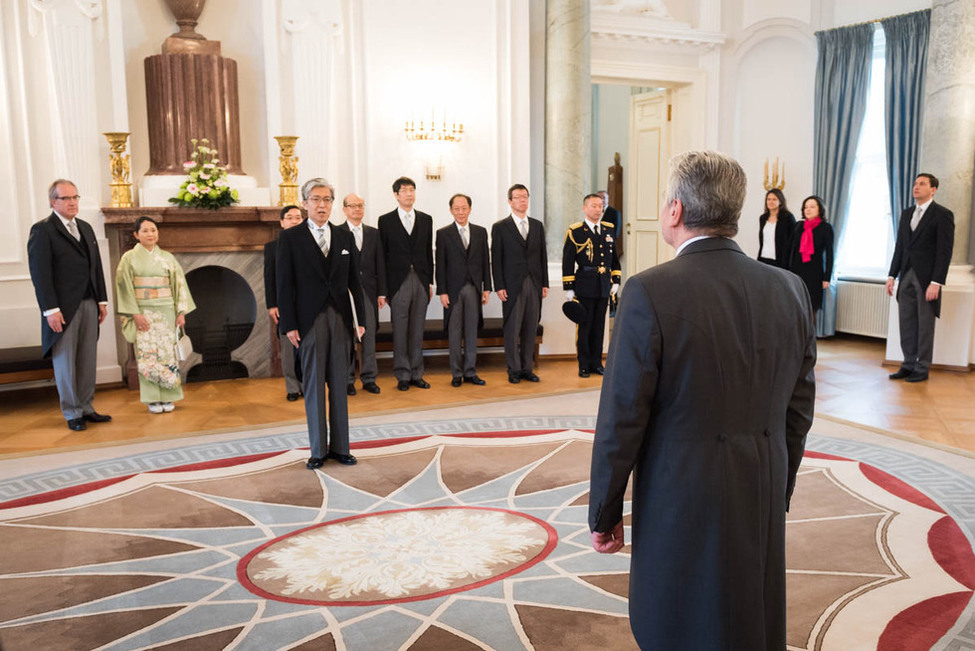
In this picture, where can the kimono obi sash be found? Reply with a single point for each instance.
(149, 287)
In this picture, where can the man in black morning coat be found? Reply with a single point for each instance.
(321, 308)
(519, 263)
(922, 254)
(406, 236)
(66, 269)
(290, 217)
(707, 398)
(463, 284)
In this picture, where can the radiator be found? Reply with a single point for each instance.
(862, 308)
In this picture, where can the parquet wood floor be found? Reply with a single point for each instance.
(851, 385)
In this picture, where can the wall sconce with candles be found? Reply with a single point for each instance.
(434, 132)
(776, 182)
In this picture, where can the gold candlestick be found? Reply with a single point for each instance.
(118, 163)
(289, 171)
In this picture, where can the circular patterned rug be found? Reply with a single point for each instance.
(476, 540)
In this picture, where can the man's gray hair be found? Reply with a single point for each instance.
(711, 187)
(311, 184)
(52, 190)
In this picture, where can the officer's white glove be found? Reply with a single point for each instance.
(569, 294)
(615, 288)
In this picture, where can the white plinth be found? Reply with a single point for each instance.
(954, 339)
(156, 191)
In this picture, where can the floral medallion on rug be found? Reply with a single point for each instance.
(457, 540)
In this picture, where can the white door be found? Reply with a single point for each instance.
(646, 181)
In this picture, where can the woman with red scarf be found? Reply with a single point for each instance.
(812, 250)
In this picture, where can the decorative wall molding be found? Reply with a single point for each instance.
(647, 31)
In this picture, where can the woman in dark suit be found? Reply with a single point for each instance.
(812, 250)
(775, 229)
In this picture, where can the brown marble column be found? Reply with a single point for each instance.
(191, 96)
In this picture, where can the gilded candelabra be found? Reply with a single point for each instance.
(289, 171)
(776, 182)
(118, 163)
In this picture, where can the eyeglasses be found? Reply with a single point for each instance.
(316, 200)
(355, 206)
(73, 197)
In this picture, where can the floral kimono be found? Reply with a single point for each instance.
(151, 283)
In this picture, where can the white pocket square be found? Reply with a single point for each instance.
(345, 252)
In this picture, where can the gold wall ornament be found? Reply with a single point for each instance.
(289, 171)
(777, 182)
(118, 164)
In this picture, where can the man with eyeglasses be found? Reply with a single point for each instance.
(406, 236)
(317, 270)
(66, 269)
(372, 273)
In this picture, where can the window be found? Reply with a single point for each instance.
(868, 237)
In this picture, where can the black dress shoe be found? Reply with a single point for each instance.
(531, 377)
(95, 417)
(350, 389)
(370, 387)
(403, 385)
(900, 374)
(583, 372)
(599, 370)
(475, 380)
(344, 459)
(77, 424)
(514, 378)
(423, 384)
(292, 397)
(315, 462)
(917, 376)
(456, 382)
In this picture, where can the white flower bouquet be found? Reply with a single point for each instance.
(206, 182)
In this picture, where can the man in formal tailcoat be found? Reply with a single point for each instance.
(922, 254)
(372, 272)
(406, 236)
(463, 284)
(590, 275)
(519, 264)
(707, 399)
(66, 269)
(290, 216)
(321, 306)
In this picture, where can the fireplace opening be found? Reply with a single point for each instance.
(222, 321)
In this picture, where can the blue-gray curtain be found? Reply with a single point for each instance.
(907, 55)
(842, 76)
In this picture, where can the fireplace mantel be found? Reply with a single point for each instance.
(191, 230)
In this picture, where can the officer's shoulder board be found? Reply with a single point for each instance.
(607, 224)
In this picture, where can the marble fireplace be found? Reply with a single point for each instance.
(222, 254)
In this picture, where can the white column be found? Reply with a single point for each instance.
(568, 117)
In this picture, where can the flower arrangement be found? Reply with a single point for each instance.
(206, 182)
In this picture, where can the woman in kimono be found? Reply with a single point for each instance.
(153, 299)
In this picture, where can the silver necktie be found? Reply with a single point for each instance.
(524, 228)
(409, 224)
(916, 219)
(357, 232)
(463, 237)
(73, 229)
(322, 243)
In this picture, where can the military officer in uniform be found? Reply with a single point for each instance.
(590, 275)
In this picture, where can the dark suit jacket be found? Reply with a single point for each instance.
(513, 258)
(307, 281)
(926, 250)
(613, 216)
(457, 267)
(404, 250)
(785, 228)
(372, 266)
(64, 271)
(708, 396)
(820, 265)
